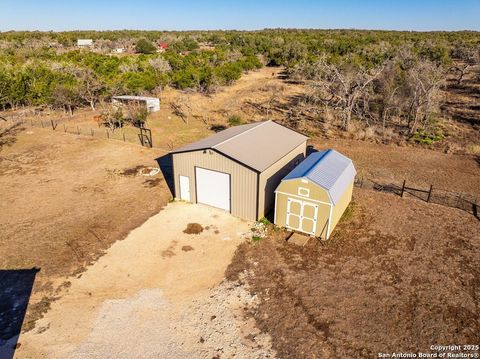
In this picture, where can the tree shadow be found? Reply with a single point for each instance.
(166, 166)
(9, 132)
(15, 290)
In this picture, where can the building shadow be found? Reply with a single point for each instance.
(166, 166)
(310, 150)
(15, 290)
(272, 184)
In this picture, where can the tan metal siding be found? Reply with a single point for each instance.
(271, 177)
(341, 205)
(289, 188)
(243, 184)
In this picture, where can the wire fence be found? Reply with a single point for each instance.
(128, 134)
(465, 202)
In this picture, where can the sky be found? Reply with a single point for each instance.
(418, 15)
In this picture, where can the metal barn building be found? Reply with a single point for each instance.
(84, 42)
(313, 196)
(151, 103)
(239, 168)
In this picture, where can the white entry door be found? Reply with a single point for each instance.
(213, 188)
(302, 216)
(185, 188)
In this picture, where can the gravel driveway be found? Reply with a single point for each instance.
(158, 293)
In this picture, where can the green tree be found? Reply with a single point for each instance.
(145, 46)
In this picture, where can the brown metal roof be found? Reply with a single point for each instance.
(257, 145)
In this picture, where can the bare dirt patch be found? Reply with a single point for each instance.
(136, 302)
(193, 228)
(420, 167)
(65, 201)
(399, 276)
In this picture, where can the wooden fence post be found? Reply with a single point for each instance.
(403, 188)
(64, 128)
(430, 193)
(108, 135)
(42, 123)
(78, 130)
(123, 136)
(91, 130)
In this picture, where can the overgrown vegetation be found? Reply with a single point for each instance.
(380, 79)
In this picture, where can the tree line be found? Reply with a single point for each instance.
(374, 76)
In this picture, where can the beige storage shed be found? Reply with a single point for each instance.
(239, 168)
(313, 196)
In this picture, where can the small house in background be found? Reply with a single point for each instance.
(83, 43)
(151, 103)
(118, 50)
(313, 196)
(162, 46)
(238, 169)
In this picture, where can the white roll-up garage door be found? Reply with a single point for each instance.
(213, 188)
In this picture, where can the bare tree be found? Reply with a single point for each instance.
(342, 87)
(424, 80)
(136, 114)
(111, 116)
(181, 108)
(388, 86)
(272, 98)
(160, 65)
(466, 58)
(90, 86)
(66, 97)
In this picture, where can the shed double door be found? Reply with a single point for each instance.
(302, 216)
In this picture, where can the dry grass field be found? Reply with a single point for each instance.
(397, 276)
(65, 199)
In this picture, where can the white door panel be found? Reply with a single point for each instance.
(301, 216)
(185, 188)
(213, 188)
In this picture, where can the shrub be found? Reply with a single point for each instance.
(265, 221)
(144, 46)
(423, 137)
(235, 120)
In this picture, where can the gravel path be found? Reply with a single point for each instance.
(157, 294)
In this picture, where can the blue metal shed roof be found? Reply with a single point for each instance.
(329, 169)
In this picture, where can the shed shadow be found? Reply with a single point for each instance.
(273, 182)
(310, 150)
(166, 166)
(15, 290)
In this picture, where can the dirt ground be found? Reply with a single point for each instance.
(65, 199)
(156, 294)
(419, 166)
(398, 275)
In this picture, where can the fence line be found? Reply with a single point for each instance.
(143, 137)
(442, 197)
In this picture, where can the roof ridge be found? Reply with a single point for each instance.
(316, 162)
(239, 134)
